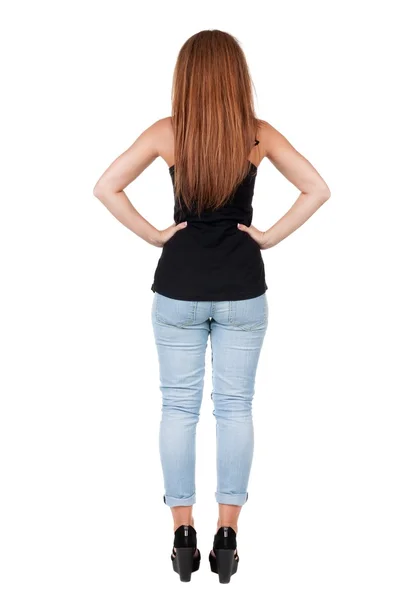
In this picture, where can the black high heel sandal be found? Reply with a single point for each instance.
(225, 559)
(185, 554)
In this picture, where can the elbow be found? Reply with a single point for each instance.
(324, 194)
(104, 189)
(98, 191)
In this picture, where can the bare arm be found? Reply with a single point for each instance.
(299, 171)
(109, 189)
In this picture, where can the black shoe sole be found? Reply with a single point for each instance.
(184, 563)
(224, 564)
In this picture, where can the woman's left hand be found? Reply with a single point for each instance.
(256, 234)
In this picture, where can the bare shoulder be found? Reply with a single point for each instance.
(163, 134)
(156, 135)
(288, 160)
(271, 138)
(164, 125)
(162, 130)
(154, 141)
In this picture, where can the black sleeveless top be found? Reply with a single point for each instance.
(211, 259)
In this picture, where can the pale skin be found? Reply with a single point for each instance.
(158, 141)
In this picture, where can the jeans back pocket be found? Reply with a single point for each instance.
(249, 314)
(172, 311)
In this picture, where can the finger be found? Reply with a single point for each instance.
(242, 227)
(181, 225)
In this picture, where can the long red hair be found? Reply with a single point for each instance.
(213, 119)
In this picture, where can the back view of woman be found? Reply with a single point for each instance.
(210, 281)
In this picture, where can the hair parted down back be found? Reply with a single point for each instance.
(213, 119)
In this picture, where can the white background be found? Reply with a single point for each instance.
(333, 508)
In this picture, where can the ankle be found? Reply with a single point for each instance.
(185, 522)
(227, 523)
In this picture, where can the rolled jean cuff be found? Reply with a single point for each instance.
(236, 499)
(172, 501)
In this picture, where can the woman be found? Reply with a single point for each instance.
(210, 279)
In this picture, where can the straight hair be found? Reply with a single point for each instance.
(213, 119)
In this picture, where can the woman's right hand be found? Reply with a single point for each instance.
(166, 234)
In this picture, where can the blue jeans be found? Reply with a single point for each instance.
(181, 329)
